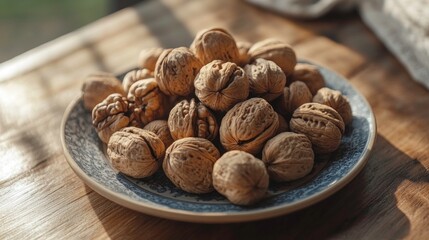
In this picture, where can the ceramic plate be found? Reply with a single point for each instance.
(157, 196)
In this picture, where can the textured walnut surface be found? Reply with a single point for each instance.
(220, 85)
(288, 156)
(293, 96)
(160, 128)
(146, 102)
(215, 44)
(266, 79)
(248, 125)
(175, 71)
(321, 124)
(135, 152)
(308, 74)
(192, 119)
(110, 115)
(134, 76)
(148, 57)
(240, 177)
(277, 51)
(188, 163)
(335, 100)
(97, 87)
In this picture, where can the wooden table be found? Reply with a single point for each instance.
(41, 197)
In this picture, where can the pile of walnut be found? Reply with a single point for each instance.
(184, 107)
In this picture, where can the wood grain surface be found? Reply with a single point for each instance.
(41, 197)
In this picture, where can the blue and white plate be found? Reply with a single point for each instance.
(159, 197)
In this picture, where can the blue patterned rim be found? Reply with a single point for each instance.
(158, 196)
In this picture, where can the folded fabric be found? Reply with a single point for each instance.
(403, 26)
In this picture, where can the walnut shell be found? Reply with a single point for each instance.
(294, 96)
(160, 128)
(240, 177)
(288, 156)
(283, 125)
(277, 51)
(188, 163)
(220, 85)
(243, 52)
(146, 102)
(321, 124)
(134, 76)
(175, 71)
(266, 79)
(215, 44)
(135, 152)
(248, 125)
(192, 119)
(109, 116)
(97, 87)
(148, 57)
(308, 74)
(337, 101)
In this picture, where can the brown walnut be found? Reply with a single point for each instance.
(293, 96)
(283, 125)
(337, 101)
(109, 116)
(134, 76)
(215, 44)
(243, 53)
(97, 87)
(160, 128)
(321, 124)
(192, 119)
(288, 156)
(188, 163)
(146, 102)
(266, 79)
(240, 177)
(220, 85)
(135, 152)
(248, 125)
(175, 71)
(277, 51)
(148, 57)
(308, 74)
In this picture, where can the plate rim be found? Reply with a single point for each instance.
(217, 217)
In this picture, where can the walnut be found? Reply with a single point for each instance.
(293, 96)
(160, 128)
(240, 177)
(308, 74)
(266, 79)
(288, 156)
(335, 100)
(215, 44)
(146, 102)
(243, 53)
(97, 87)
(220, 85)
(283, 125)
(148, 57)
(135, 75)
(176, 70)
(109, 116)
(321, 124)
(135, 152)
(277, 51)
(188, 163)
(192, 119)
(248, 125)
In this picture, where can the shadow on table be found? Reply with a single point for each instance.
(365, 208)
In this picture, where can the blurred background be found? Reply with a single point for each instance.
(26, 24)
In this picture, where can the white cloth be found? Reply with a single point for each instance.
(402, 25)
